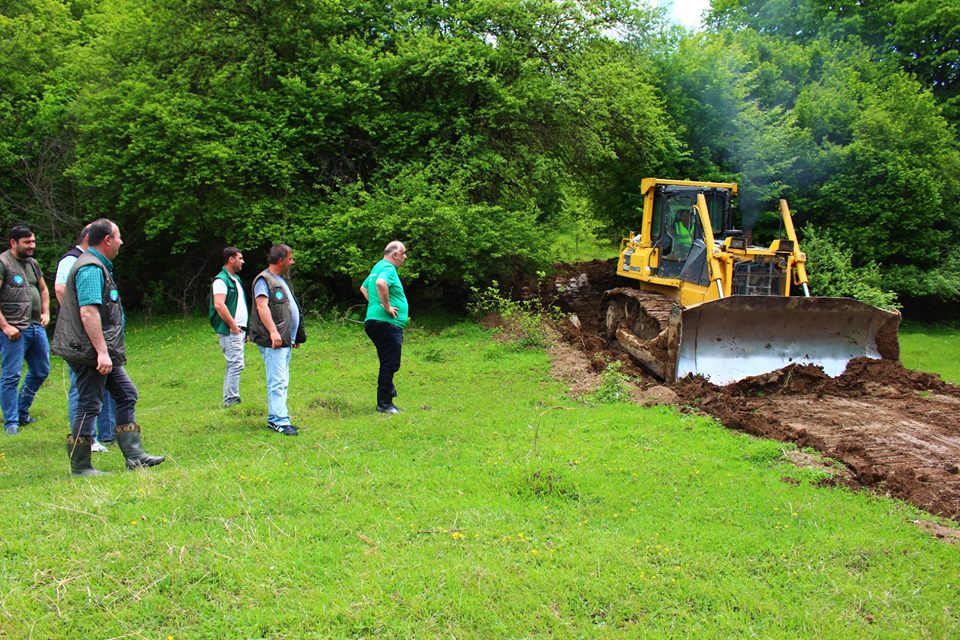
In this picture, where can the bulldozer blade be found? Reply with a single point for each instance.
(736, 337)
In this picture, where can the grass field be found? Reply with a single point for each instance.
(934, 348)
(494, 507)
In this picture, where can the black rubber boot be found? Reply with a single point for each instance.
(78, 449)
(128, 439)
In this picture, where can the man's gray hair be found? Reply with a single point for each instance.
(392, 248)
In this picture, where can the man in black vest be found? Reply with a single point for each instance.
(90, 337)
(276, 326)
(24, 314)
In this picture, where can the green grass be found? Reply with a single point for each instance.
(493, 507)
(933, 348)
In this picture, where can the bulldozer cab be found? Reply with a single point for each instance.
(677, 232)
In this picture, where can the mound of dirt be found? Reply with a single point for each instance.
(896, 430)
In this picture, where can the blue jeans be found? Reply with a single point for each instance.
(32, 346)
(106, 423)
(277, 364)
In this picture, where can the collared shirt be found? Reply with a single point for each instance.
(63, 269)
(89, 280)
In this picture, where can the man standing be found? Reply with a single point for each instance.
(228, 315)
(105, 424)
(387, 314)
(24, 314)
(275, 327)
(90, 337)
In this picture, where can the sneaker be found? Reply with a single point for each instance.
(27, 420)
(12, 430)
(230, 403)
(388, 408)
(96, 447)
(285, 429)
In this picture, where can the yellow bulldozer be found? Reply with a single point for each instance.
(705, 301)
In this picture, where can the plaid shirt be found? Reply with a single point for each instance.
(89, 281)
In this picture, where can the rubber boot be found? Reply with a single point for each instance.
(128, 439)
(78, 449)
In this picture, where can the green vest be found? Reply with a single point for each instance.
(279, 304)
(16, 301)
(215, 320)
(683, 236)
(70, 339)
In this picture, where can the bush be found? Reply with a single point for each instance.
(525, 322)
(832, 273)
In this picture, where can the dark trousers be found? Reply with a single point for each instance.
(90, 386)
(388, 338)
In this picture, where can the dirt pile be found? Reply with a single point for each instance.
(896, 430)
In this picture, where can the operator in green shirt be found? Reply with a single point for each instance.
(387, 313)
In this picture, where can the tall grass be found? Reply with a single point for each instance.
(493, 507)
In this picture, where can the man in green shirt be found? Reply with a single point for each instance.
(387, 314)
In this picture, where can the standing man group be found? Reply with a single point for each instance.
(24, 315)
(276, 327)
(228, 315)
(387, 314)
(90, 337)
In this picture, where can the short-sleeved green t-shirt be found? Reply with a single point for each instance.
(385, 270)
(34, 284)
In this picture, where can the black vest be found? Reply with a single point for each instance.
(70, 340)
(15, 299)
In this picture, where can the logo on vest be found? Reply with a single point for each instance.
(18, 279)
(114, 295)
(278, 295)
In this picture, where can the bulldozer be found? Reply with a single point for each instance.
(705, 301)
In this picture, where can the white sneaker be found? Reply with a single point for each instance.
(96, 447)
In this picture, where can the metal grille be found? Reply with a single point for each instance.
(757, 279)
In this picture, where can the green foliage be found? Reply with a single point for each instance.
(832, 272)
(614, 385)
(525, 322)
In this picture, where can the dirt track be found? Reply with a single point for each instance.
(898, 431)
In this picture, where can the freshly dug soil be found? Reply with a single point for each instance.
(898, 431)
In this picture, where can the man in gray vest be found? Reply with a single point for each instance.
(228, 316)
(90, 337)
(105, 423)
(276, 326)
(24, 314)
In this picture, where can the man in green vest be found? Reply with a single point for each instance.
(90, 337)
(682, 236)
(24, 314)
(228, 315)
(276, 327)
(387, 314)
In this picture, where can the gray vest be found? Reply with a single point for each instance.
(70, 340)
(15, 300)
(279, 305)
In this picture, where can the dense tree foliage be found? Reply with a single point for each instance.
(474, 130)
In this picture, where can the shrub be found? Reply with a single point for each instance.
(832, 272)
